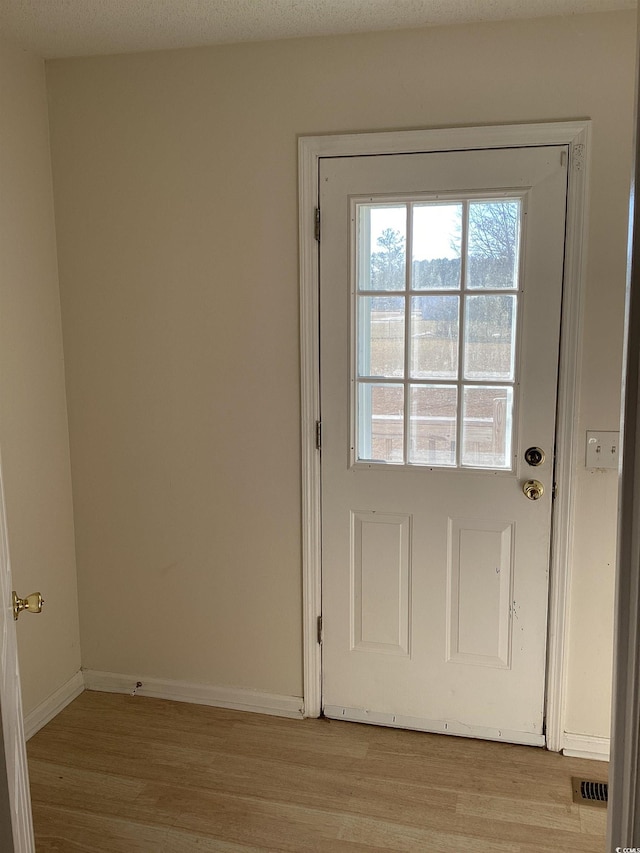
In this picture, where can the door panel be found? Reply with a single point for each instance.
(11, 704)
(380, 599)
(438, 369)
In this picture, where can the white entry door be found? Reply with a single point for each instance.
(441, 285)
(11, 708)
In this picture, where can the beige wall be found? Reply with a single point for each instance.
(176, 191)
(33, 417)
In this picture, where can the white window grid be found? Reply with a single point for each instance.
(406, 381)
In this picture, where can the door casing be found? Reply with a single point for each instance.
(575, 134)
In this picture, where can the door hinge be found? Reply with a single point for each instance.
(554, 491)
(316, 215)
(320, 630)
(318, 435)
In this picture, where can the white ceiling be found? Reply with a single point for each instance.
(55, 28)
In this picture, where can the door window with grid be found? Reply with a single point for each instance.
(436, 309)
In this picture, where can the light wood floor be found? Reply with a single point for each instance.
(118, 774)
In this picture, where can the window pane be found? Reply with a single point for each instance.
(381, 335)
(434, 337)
(489, 337)
(486, 427)
(432, 425)
(494, 243)
(381, 423)
(437, 230)
(382, 233)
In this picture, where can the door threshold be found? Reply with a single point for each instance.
(441, 727)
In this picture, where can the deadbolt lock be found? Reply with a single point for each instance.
(33, 603)
(533, 489)
(534, 456)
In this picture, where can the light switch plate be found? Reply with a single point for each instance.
(602, 449)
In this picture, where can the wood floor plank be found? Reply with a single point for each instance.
(410, 807)
(100, 834)
(593, 821)
(65, 831)
(525, 813)
(118, 773)
(204, 768)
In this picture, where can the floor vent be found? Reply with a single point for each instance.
(589, 793)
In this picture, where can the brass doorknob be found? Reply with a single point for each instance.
(33, 603)
(533, 489)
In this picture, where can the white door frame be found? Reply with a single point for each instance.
(311, 149)
(623, 828)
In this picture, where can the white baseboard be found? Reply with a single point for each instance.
(585, 746)
(237, 698)
(52, 705)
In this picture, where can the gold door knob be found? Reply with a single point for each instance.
(533, 489)
(33, 603)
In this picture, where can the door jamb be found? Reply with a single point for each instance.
(575, 134)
